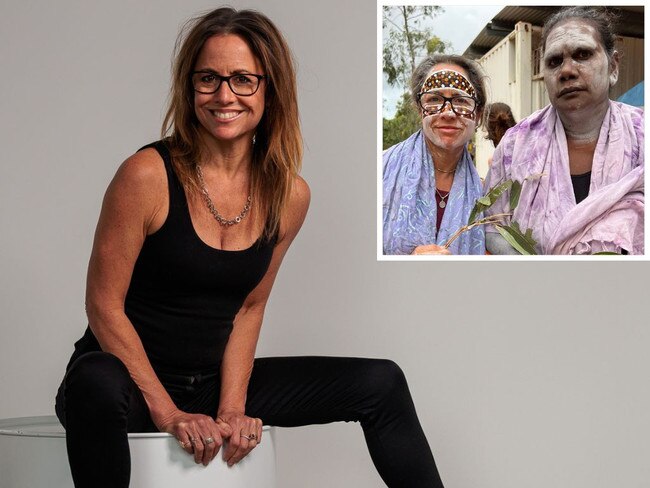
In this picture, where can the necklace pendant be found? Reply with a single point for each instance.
(442, 204)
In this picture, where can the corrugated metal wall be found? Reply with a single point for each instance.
(631, 67)
(504, 65)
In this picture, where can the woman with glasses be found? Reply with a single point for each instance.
(191, 236)
(580, 159)
(430, 183)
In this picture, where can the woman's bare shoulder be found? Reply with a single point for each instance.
(297, 207)
(300, 194)
(299, 198)
(139, 188)
(144, 168)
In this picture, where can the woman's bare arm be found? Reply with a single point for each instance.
(134, 206)
(237, 363)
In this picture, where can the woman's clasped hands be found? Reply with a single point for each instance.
(202, 436)
(246, 435)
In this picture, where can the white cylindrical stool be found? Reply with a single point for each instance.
(33, 455)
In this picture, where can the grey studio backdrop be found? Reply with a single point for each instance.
(524, 374)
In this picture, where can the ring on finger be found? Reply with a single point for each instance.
(183, 444)
(208, 441)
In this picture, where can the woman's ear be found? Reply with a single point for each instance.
(613, 68)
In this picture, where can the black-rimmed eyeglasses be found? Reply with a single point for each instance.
(433, 103)
(242, 84)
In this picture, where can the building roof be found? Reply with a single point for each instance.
(630, 24)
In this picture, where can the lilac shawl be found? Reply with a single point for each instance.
(610, 218)
(409, 202)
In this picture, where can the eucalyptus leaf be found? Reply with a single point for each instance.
(515, 192)
(522, 242)
(529, 241)
(510, 239)
(488, 200)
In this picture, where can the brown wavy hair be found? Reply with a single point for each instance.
(277, 152)
(499, 120)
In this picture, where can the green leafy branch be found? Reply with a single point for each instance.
(523, 242)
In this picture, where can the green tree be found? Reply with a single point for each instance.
(405, 122)
(406, 40)
(437, 45)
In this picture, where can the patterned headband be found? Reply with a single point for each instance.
(447, 78)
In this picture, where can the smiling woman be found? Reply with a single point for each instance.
(430, 183)
(176, 289)
(225, 113)
(586, 149)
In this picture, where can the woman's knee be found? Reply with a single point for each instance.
(384, 378)
(97, 381)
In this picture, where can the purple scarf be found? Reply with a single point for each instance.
(610, 218)
(409, 201)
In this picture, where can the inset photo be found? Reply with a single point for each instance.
(511, 131)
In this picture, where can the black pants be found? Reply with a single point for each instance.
(98, 403)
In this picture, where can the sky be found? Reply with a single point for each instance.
(458, 25)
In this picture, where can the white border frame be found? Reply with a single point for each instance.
(486, 258)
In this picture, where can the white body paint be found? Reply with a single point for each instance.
(578, 75)
(447, 133)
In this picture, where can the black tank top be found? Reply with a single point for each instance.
(581, 185)
(184, 294)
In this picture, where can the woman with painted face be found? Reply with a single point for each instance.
(430, 183)
(189, 241)
(581, 159)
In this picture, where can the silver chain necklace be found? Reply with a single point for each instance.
(218, 217)
(442, 203)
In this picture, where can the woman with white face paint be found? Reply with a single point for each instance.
(587, 149)
(430, 183)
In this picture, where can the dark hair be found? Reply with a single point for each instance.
(601, 18)
(277, 152)
(474, 70)
(499, 120)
